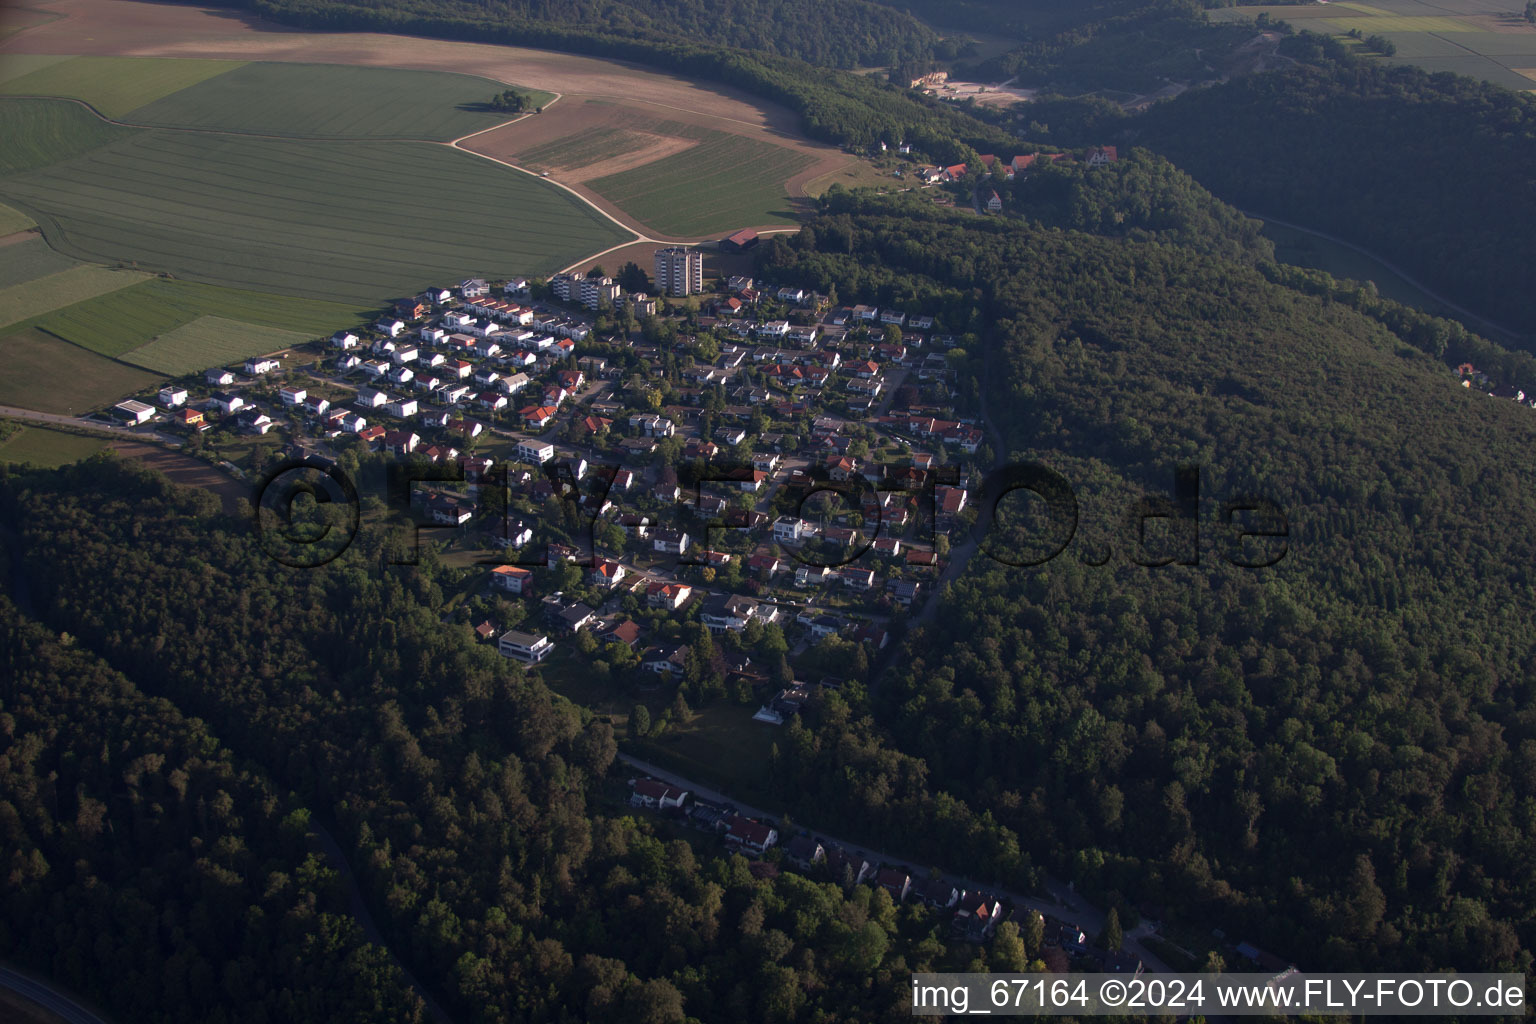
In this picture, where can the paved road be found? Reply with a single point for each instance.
(49, 998)
(1508, 333)
(11, 412)
(1059, 900)
(359, 906)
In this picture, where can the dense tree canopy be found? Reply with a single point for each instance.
(1251, 746)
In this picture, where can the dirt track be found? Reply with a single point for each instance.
(136, 29)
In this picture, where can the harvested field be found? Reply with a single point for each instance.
(632, 160)
(130, 28)
(187, 471)
(154, 30)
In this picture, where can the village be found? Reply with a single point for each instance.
(973, 913)
(753, 460)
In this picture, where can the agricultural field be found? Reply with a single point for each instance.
(210, 341)
(49, 449)
(51, 375)
(673, 174)
(29, 260)
(116, 324)
(725, 182)
(36, 297)
(350, 221)
(1491, 41)
(14, 65)
(12, 221)
(114, 85)
(358, 103)
(38, 133)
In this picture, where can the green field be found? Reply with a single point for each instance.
(14, 65)
(332, 101)
(38, 133)
(51, 375)
(34, 298)
(28, 261)
(1438, 37)
(123, 321)
(12, 221)
(115, 85)
(210, 341)
(725, 182)
(351, 221)
(49, 449)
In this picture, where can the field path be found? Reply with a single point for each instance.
(132, 28)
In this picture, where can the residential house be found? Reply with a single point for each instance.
(671, 542)
(655, 793)
(171, 397)
(529, 648)
(976, 916)
(671, 596)
(535, 451)
(750, 835)
(804, 852)
(669, 659)
(511, 578)
(895, 881)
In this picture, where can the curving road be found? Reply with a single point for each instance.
(1061, 899)
(1460, 310)
(48, 998)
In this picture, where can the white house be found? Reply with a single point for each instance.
(369, 398)
(393, 328)
(219, 376)
(788, 529)
(402, 407)
(535, 451)
(172, 397)
(257, 367)
(293, 396)
(344, 340)
(529, 648)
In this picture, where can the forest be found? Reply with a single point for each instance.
(1433, 169)
(1336, 756)
(219, 707)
